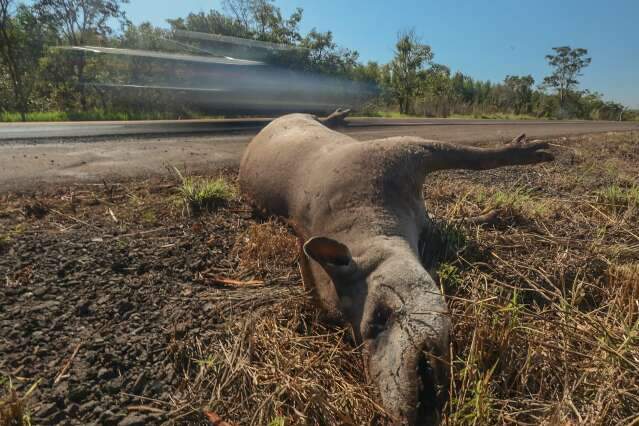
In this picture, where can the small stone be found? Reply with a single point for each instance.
(124, 307)
(72, 410)
(182, 328)
(113, 386)
(109, 418)
(105, 374)
(78, 394)
(46, 410)
(56, 418)
(88, 407)
(83, 309)
(41, 291)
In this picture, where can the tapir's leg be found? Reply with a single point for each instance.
(441, 155)
(336, 119)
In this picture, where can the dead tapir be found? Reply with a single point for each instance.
(359, 210)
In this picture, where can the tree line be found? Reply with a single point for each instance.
(36, 75)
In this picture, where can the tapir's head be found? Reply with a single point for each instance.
(400, 317)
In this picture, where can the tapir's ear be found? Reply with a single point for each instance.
(329, 253)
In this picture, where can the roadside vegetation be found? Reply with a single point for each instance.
(200, 194)
(39, 81)
(543, 298)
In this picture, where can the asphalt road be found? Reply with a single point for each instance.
(36, 154)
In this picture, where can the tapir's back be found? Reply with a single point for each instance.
(299, 169)
(281, 158)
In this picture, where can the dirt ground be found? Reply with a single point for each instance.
(118, 308)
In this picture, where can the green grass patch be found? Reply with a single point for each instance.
(199, 194)
(449, 275)
(278, 421)
(618, 199)
(517, 202)
(7, 237)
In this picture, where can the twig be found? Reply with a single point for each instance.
(75, 219)
(67, 364)
(115, 219)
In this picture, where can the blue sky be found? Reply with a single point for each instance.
(484, 39)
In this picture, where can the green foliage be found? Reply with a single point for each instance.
(449, 275)
(199, 194)
(522, 91)
(410, 56)
(436, 89)
(37, 79)
(22, 43)
(567, 64)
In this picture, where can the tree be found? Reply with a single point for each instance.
(22, 40)
(521, 88)
(436, 89)
(79, 22)
(410, 56)
(212, 22)
(567, 64)
(264, 21)
(323, 55)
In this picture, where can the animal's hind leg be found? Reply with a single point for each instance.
(441, 155)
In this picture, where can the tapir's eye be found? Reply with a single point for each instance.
(379, 321)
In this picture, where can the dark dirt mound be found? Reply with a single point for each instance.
(92, 300)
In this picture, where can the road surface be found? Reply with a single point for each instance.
(36, 154)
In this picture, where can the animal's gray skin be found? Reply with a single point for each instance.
(359, 208)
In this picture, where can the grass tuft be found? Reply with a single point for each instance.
(14, 409)
(617, 199)
(199, 194)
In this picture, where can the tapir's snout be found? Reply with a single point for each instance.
(412, 380)
(407, 340)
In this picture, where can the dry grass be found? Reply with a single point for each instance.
(274, 362)
(545, 306)
(266, 247)
(544, 303)
(278, 361)
(14, 408)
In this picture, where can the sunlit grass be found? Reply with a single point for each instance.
(616, 198)
(198, 193)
